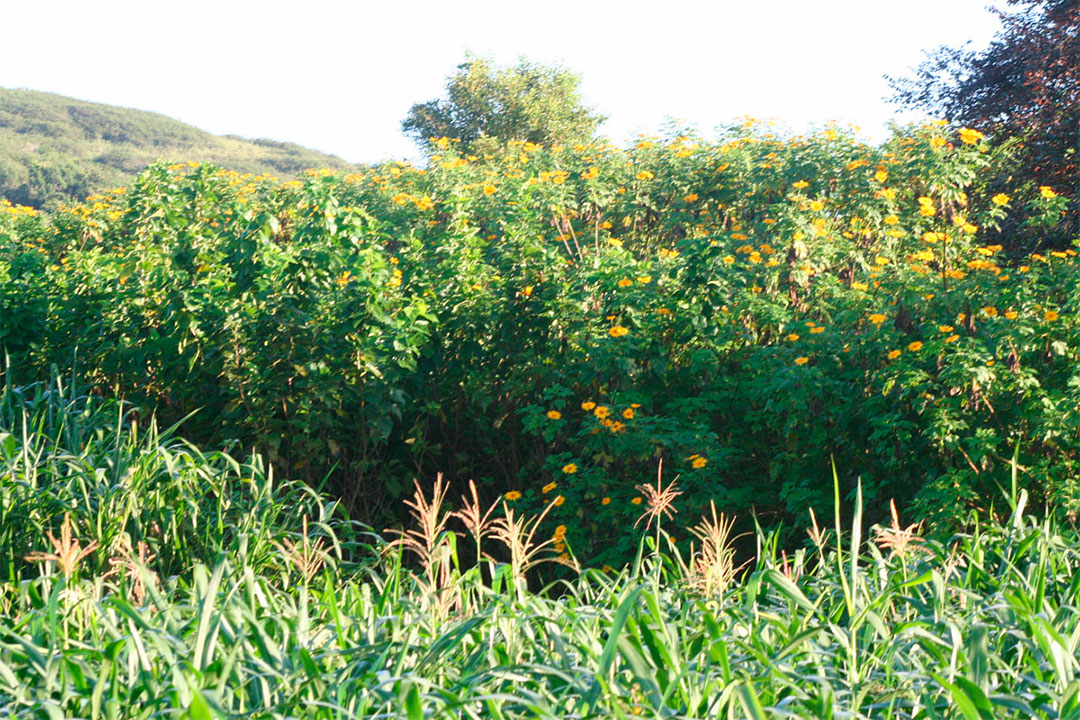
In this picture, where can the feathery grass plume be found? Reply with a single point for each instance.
(818, 535)
(431, 543)
(712, 568)
(518, 534)
(476, 521)
(133, 567)
(898, 540)
(69, 552)
(659, 500)
(307, 557)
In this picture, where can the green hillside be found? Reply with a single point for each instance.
(53, 148)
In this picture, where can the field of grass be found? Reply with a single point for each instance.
(142, 577)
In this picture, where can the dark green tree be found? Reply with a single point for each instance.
(484, 104)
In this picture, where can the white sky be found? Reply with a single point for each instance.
(339, 76)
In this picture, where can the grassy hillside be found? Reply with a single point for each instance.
(53, 148)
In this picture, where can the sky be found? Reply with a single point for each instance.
(340, 76)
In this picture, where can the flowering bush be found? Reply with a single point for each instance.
(554, 321)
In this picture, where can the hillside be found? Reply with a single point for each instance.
(53, 148)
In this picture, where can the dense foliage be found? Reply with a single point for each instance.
(54, 149)
(150, 579)
(1024, 86)
(483, 105)
(553, 321)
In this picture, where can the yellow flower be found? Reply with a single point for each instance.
(893, 354)
(560, 531)
(729, 259)
(816, 330)
(945, 328)
(692, 197)
(625, 282)
(856, 285)
(937, 141)
(952, 338)
(554, 414)
(489, 189)
(549, 487)
(644, 175)
(636, 501)
(617, 331)
(569, 468)
(698, 463)
(601, 411)
(800, 185)
(970, 137)
(513, 495)
(628, 413)
(915, 346)
(990, 311)
(1051, 315)
(877, 318)
(1010, 315)
(588, 405)
(891, 219)
(881, 176)
(644, 279)
(793, 337)
(558, 501)
(817, 206)
(606, 501)
(1047, 192)
(1000, 199)
(801, 360)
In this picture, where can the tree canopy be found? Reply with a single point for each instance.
(530, 102)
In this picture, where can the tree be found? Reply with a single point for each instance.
(1025, 85)
(530, 102)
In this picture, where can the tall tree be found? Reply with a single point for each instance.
(1025, 85)
(531, 102)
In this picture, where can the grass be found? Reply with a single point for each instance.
(208, 589)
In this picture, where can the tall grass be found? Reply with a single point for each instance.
(238, 607)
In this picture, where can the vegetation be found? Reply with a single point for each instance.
(1024, 86)
(483, 105)
(552, 321)
(185, 584)
(55, 149)
(780, 328)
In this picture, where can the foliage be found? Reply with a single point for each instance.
(55, 149)
(529, 102)
(1025, 85)
(553, 321)
(273, 622)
